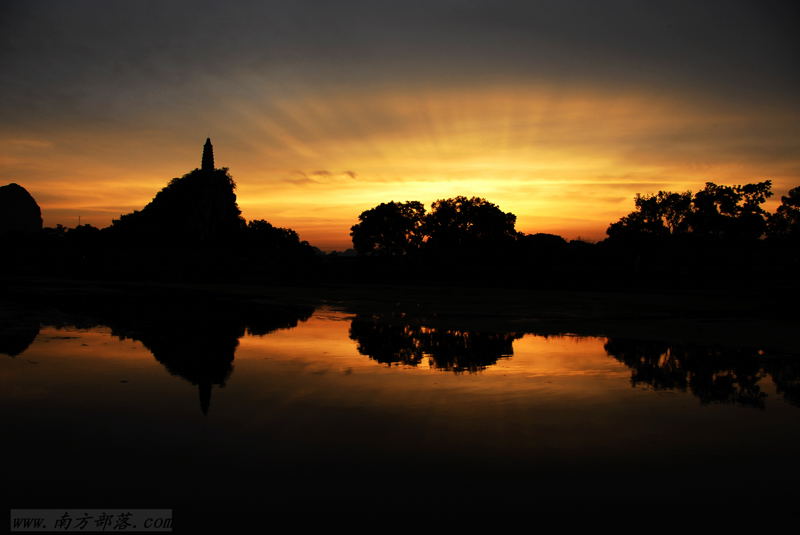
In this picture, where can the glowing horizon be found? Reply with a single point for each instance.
(564, 164)
(562, 128)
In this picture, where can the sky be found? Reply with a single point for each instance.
(558, 111)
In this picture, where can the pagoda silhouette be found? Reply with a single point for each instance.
(208, 156)
(199, 207)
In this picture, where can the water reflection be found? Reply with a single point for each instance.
(331, 403)
(712, 374)
(197, 341)
(201, 346)
(16, 337)
(394, 340)
(201, 352)
(193, 338)
(786, 375)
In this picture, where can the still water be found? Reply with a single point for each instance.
(315, 406)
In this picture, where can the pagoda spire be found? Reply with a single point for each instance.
(208, 156)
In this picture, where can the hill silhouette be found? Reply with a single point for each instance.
(200, 206)
(193, 229)
(19, 212)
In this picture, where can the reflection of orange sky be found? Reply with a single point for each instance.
(567, 162)
(322, 344)
(75, 364)
(315, 356)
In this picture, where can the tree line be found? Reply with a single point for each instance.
(731, 213)
(720, 230)
(193, 229)
(717, 212)
(404, 228)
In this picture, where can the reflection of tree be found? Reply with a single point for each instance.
(395, 340)
(786, 375)
(16, 336)
(650, 363)
(714, 375)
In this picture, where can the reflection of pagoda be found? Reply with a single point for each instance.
(199, 207)
(197, 340)
(200, 352)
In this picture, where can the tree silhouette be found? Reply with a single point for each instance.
(462, 222)
(716, 212)
(391, 229)
(460, 238)
(730, 212)
(274, 251)
(540, 253)
(785, 222)
(261, 233)
(662, 214)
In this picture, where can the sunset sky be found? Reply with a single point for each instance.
(558, 111)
